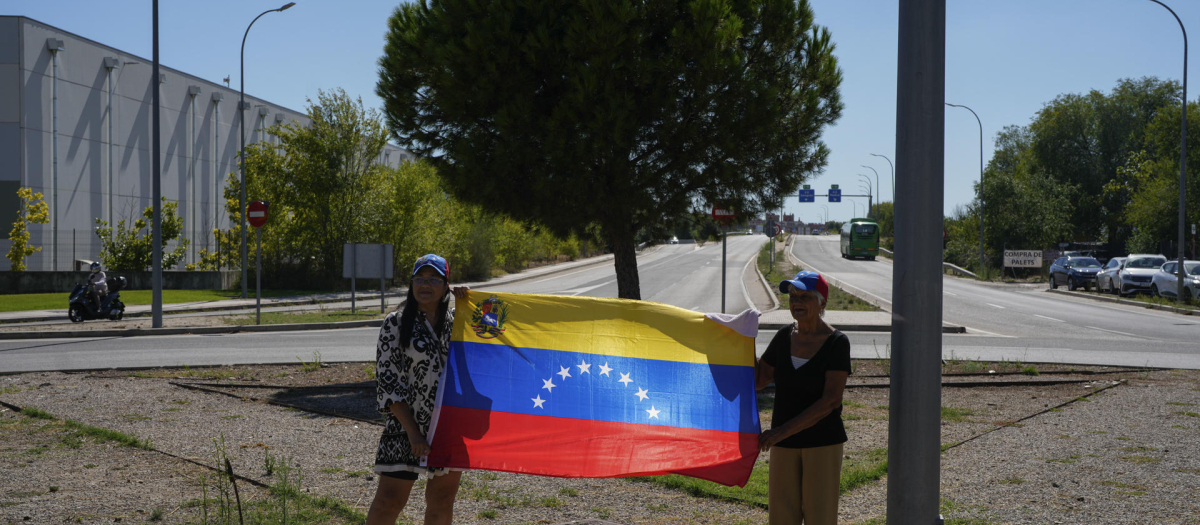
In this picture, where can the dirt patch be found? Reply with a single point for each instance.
(1043, 445)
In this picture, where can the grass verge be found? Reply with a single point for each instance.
(58, 301)
(304, 317)
(100, 435)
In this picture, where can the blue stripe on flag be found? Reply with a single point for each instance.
(601, 388)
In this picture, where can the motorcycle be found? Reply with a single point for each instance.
(82, 308)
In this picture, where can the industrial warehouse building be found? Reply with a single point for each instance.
(75, 125)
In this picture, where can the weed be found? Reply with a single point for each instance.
(1123, 438)
(156, 515)
(310, 366)
(567, 491)
(1141, 460)
(1138, 449)
(369, 370)
(601, 512)
(53, 488)
(488, 514)
(37, 414)
(489, 476)
(1012, 481)
(956, 415)
(1188, 414)
(886, 361)
(657, 508)
(1030, 371)
(551, 502)
(973, 367)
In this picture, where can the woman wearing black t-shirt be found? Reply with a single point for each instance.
(809, 363)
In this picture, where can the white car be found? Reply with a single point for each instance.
(674, 240)
(1163, 283)
(1109, 277)
(1138, 274)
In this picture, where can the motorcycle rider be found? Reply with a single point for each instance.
(97, 285)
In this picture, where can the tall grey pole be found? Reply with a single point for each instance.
(977, 121)
(242, 127)
(915, 410)
(111, 190)
(217, 97)
(195, 201)
(876, 184)
(54, 49)
(1180, 275)
(889, 161)
(156, 183)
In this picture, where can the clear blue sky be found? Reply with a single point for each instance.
(1004, 59)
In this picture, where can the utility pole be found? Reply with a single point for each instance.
(914, 431)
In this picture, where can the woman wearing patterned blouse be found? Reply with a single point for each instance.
(410, 355)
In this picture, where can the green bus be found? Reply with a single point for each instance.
(860, 238)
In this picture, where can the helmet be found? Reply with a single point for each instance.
(95, 267)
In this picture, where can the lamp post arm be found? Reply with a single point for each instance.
(893, 167)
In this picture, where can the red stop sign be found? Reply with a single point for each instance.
(256, 213)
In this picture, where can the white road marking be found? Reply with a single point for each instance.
(1049, 318)
(1116, 332)
(950, 293)
(994, 305)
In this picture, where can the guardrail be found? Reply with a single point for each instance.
(958, 271)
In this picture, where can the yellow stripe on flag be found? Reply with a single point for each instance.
(617, 327)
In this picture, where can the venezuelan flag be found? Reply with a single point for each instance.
(593, 387)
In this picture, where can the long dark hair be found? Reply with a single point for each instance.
(408, 314)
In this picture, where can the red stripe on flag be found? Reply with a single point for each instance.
(580, 448)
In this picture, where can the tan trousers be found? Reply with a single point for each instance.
(803, 485)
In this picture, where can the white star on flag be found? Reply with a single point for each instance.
(605, 369)
(548, 385)
(564, 372)
(584, 367)
(625, 379)
(537, 401)
(642, 393)
(653, 413)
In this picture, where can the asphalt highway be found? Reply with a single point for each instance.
(684, 275)
(1024, 322)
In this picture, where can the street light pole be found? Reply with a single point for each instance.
(877, 190)
(893, 175)
(156, 308)
(242, 127)
(1179, 276)
(977, 121)
(870, 194)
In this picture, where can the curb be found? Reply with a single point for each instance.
(864, 328)
(190, 330)
(1127, 302)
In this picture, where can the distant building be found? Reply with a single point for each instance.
(55, 87)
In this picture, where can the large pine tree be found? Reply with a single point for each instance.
(619, 113)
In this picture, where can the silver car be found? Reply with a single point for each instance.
(1109, 278)
(1163, 284)
(1138, 273)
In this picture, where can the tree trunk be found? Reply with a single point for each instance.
(625, 262)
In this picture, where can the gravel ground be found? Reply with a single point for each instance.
(1125, 455)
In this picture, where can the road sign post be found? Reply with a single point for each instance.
(256, 215)
(724, 217)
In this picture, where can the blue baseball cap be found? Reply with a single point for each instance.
(807, 280)
(436, 261)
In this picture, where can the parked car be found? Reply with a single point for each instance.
(1109, 278)
(1138, 273)
(1163, 283)
(1074, 272)
(674, 240)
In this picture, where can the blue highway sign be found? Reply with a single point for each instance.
(835, 195)
(808, 196)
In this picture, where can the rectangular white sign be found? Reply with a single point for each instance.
(1022, 258)
(367, 261)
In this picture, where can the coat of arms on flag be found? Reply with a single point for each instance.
(595, 387)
